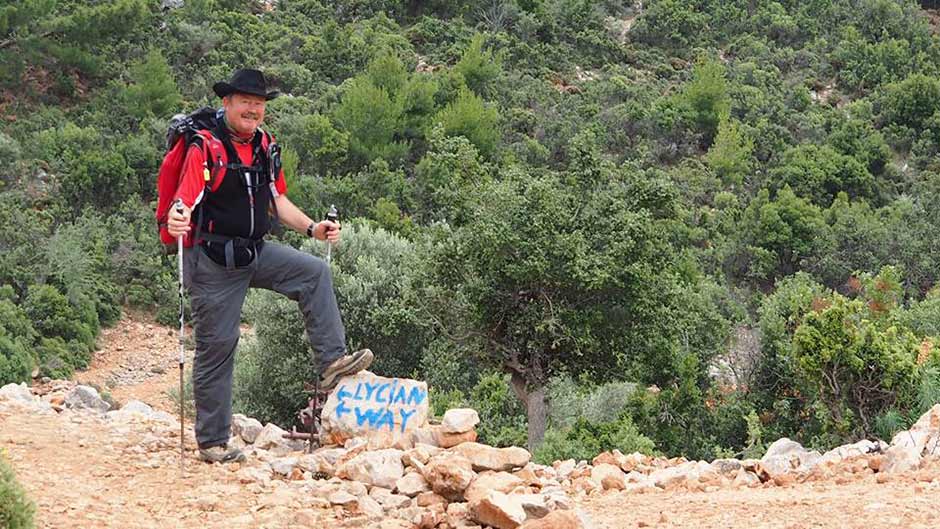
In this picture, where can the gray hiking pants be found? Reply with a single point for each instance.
(217, 295)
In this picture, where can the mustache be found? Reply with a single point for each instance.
(251, 115)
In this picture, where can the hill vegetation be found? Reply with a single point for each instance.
(687, 227)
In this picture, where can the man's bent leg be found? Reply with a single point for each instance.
(307, 280)
(217, 296)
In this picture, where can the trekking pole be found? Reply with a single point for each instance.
(331, 216)
(182, 359)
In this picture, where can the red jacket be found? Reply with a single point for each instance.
(197, 174)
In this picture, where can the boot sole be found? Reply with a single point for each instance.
(355, 365)
(237, 456)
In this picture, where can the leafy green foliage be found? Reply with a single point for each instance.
(16, 510)
(468, 116)
(585, 439)
(16, 365)
(855, 366)
(154, 91)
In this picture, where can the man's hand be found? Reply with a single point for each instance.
(178, 223)
(327, 231)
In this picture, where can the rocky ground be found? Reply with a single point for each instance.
(86, 467)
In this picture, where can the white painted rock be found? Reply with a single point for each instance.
(459, 420)
(382, 468)
(381, 410)
(484, 457)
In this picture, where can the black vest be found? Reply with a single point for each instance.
(236, 212)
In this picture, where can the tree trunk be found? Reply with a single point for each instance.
(535, 407)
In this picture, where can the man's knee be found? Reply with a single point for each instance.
(314, 269)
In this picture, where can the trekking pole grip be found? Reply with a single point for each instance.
(333, 216)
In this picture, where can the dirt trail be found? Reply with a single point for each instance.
(84, 471)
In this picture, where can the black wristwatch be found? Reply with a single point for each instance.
(311, 228)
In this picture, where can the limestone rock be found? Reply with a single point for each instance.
(785, 456)
(459, 420)
(458, 514)
(378, 409)
(18, 392)
(847, 451)
(449, 475)
(272, 439)
(86, 398)
(557, 520)
(726, 467)
(284, 466)
(609, 476)
(246, 427)
(564, 468)
(534, 505)
(341, 497)
(486, 481)
(322, 461)
(450, 440)
(371, 508)
(412, 484)
(485, 457)
(387, 499)
(419, 454)
(133, 410)
(498, 510)
(901, 458)
(426, 435)
(380, 467)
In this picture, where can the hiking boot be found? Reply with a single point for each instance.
(221, 454)
(345, 366)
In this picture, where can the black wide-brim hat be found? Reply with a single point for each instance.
(245, 81)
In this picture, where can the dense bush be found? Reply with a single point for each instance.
(16, 510)
(16, 364)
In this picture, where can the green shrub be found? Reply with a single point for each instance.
(502, 417)
(470, 117)
(16, 365)
(586, 439)
(67, 329)
(16, 510)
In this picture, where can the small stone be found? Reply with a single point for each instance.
(86, 398)
(246, 427)
(498, 510)
(459, 420)
(341, 497)
(412, 484)
(484, 457)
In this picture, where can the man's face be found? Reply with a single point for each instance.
(243, 112)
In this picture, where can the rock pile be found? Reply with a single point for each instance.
(396, 475)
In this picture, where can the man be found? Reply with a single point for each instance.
(223, 220)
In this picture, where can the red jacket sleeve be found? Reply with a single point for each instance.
(193, 180)
(280, 185)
